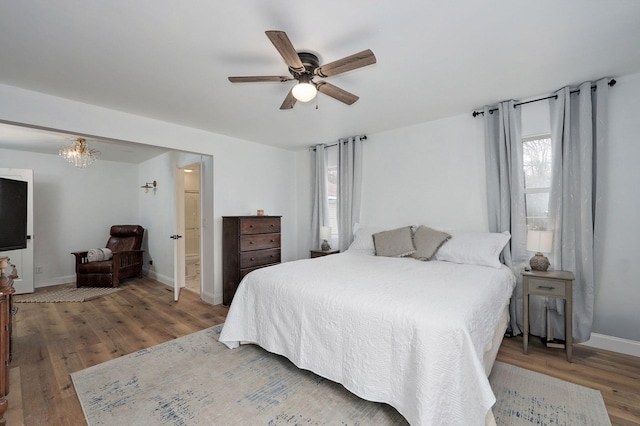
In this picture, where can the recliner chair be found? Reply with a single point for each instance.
(125, 242)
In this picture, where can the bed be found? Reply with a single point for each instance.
(420, 336)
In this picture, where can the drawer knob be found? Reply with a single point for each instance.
(272, 240)
(253, 258)
(250, 242)
(250, 226)
(271, 225)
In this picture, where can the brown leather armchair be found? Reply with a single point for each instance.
(125, 242)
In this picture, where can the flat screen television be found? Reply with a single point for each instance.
(13, 214)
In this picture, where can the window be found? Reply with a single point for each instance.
(536, 155)
(332, 191)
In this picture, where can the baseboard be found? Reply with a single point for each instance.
(55, 281)
(614, 344)
(208, 297)
(159, 277)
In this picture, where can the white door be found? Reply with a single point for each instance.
(23, 259)
(178, 255)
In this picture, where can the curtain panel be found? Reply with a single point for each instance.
(505, 193)
(320, 201)
(578, 131)
(349, 188)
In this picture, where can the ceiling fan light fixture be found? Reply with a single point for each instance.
(305, 90)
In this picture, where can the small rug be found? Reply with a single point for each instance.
(67, 294)
(195, 380)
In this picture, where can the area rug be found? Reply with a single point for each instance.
(528, 398)
(66, 294)
(195, 380)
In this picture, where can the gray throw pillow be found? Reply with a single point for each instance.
(394, 243)
(427, 241)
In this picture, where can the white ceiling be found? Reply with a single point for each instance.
(170, 60)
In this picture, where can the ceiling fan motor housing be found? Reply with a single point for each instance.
(310, 62)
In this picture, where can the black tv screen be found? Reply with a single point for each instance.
(13, 214)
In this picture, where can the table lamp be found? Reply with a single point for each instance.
(325, 235)
(539, 242)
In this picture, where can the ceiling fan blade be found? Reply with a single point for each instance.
(336, 92)
(357, 60)
(289, 101)
(286, 49)
(253, 79)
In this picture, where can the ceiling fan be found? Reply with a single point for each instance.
(304, 67)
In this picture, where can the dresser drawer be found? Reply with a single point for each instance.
(259, 257)
(259, 242)
(546, 287)
(245, 271)
(259, 225)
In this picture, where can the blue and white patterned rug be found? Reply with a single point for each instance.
(195, 380)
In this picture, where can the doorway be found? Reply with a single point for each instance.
(192, 228)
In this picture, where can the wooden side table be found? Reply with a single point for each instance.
(320, 253)
(558, 284)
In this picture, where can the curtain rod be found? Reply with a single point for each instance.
(313, 148)
(593, 87)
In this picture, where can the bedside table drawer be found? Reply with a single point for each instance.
(546, 287)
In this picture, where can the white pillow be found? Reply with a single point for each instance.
(363, 239)
(474, 248)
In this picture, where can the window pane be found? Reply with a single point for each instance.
(536, 156)
(537, 205)
(332, 190)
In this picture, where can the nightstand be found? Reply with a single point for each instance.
(320, 253)
(558, 284)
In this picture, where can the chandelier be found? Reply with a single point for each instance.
(78, 153)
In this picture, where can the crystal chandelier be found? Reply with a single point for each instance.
(78, 153)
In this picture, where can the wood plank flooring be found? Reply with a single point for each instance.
(52, 340)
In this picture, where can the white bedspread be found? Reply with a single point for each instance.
(395, 330)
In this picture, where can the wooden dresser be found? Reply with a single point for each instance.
(248, 243)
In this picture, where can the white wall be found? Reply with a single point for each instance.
(617, 268)
(431, 174)
(246, 176)
(62, 222)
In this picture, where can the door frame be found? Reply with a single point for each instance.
(25, 283)
(180, 248)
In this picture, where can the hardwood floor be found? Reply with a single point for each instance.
(52, 340)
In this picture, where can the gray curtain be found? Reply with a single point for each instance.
(505, 193)
(578, 131)
(349, 188)
(320, 202)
